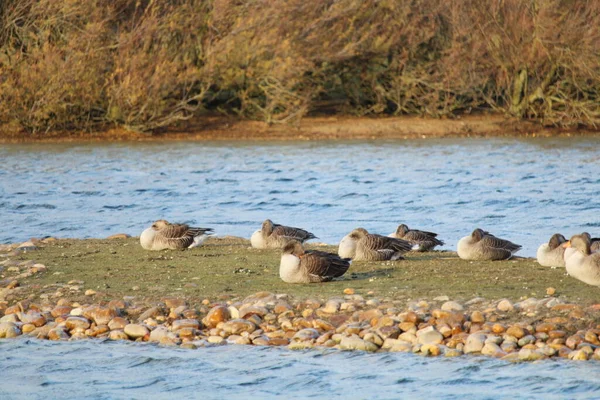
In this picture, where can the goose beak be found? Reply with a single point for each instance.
(566, 244)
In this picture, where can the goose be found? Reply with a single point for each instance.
(580, 262)
(421, 240)
(594, 242)
(362, 245)
(309, 266)
(483, 246)
(274, 236)
(551, 254)
(165, 235)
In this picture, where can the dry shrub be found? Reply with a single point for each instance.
(157, 76)
(254, 62)
(143, 64)
(536, 59)
(53, 63)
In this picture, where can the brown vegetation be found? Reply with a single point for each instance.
(146, 64)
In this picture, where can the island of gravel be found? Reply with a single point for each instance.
(225, 293)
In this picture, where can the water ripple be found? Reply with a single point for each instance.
(452, 185)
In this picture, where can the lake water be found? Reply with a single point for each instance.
(523, 190)
(35, 369)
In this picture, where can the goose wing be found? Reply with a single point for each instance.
(180, 235)
(321, 266)
(381, 243)
(292, 233)
(494, 242)
(422, 236)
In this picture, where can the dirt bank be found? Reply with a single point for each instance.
(314, 128)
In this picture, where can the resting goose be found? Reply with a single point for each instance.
(274, 236)
(164, 235)
(551, 254)
(594, 242)
(421, 240)
(580, 262)
(308, 266)
(362, 245)
(483, 246)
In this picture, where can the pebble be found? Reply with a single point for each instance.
(77, 322)
(429, 335)
(356, 343)
(237, 326)
(9, 330)
(216, 340)
(100, 315)
(348, 323)
(118, 335)
(135, 331)
(475, 343)
(185, 323)
(306, 334)
(505, 306)
(515, 331)
(216, 315)
(452, 306)
(530, 355)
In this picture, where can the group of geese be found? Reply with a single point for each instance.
(580, 255)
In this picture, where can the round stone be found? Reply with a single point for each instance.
(135, 331)
(9, 330)
(356, 343)
(452, 306)
(475, 343)
(505, 305)
(237, 326)
(77, 322)
(216, 315)
(306, 334)
(429, 335)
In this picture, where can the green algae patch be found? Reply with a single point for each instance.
(228, 267)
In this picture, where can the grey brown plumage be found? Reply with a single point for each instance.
(310, 266)
(275, 236)
(482, 246)
(362, 245)
(551, 254)
(581, 263)
(421, 240)
(594, 242)
(165, 235)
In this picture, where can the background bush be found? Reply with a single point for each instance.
(145, 64)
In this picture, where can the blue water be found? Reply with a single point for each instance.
(35, 369)
(523, 190)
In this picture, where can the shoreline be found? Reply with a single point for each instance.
(216, 128)
(48, 290)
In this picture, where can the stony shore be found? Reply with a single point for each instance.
(524, 329)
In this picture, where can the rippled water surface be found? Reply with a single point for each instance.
(73, 370)
(525, 190)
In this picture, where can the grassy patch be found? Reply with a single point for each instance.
(229, 266)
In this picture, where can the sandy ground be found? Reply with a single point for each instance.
(315, 128)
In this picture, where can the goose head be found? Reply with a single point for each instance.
(580, 243)
(402, 230)
(160, 224)
(556, 240)
(477, 234)
(267, 227)
(294, 247)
